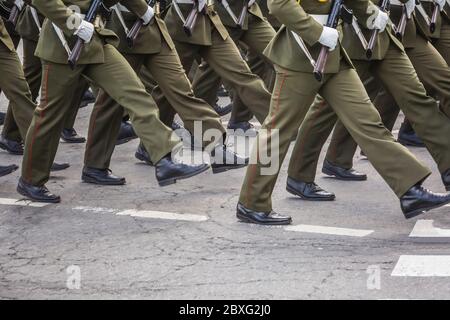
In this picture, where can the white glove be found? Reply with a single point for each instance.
(440, 3)
(410, 6)
(251, 2)
(380, 21)
(201, 5)
(147, 17)
(85, 31)
(329, 38)
(19, 4)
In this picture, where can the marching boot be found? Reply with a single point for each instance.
(71, 136)
(101, 177)
(264, 218)
(169, 171)
(418, 200)
(308, 191)
(341, 173)
(11, 146)
(36, 193)
(222, 159)
(5, 170)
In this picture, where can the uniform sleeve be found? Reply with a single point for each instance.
(57, 12)
(292, 15)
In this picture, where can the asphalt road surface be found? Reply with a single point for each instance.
(184, 242)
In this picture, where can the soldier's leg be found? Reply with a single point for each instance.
(293, 94)
(168, 72)
(256, 38)
(118, 79)
(104, 125)
(313, 133)
(443, 44)
(395, 163)
(82, 86)
(15, 87)
(432, 70)
(432, 126)
(187, 54)
(224, 57)
(42, 139)
(206, 82)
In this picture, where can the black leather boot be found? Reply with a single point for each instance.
(223, 111)
(11, 146)
(265, 218)
(59, 166)
(341, 173)
(308, 191)
(101, 176)
(418, 200)
(169, 171)
(408, 137)
(4, 170)
(71, 136)
(222, 159)
(36, 193)
(142, 154)
(126, 133)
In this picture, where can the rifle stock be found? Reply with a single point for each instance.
(136, 29)
(14, 16)
(191, 20)
(373, 39)
(333, 20)
(79, 45)
(434, 18)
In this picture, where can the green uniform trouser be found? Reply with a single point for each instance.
(224, 58)
(13, 34)
(443, 43)
(32, 68)
(403, 84)
(15, 88)
(117, 78)
(165, 68)
(293, 95)
(256, 38)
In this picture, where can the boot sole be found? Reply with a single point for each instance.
(217, 170)
(73, 141)
(142, 158)
(167, 182)
(332, 174)
(296, 193)
(245, 219)
(418, 212)
(95, 181)
(26, 195)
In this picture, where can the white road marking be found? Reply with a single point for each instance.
(22, 203)
(145, 214)
(422, 266)
(425, 229)
(329, 230)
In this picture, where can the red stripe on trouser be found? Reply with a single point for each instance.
(44, 103)
(252, 173)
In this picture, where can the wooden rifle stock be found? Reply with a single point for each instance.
(136, 29)
(191, 20)
(79, 45)
(333, 20)
(373, 38)
(14, 16)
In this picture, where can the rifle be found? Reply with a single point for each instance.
(332, 22)
(136, 29)
(369, 52)
(243, 16)
(434, 17)
(14, 15)
(79, 45)
(401, 28)
(191, 20)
